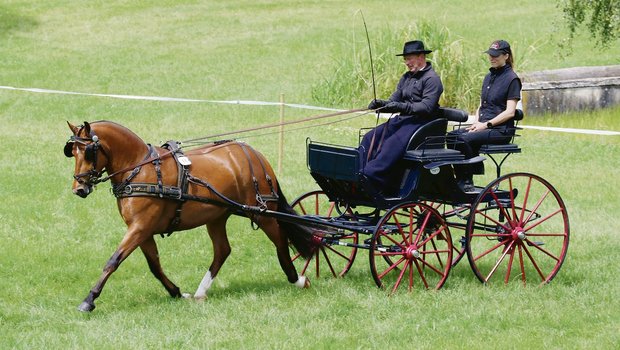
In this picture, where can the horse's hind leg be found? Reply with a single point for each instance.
(149, 248)
(221, 251)
(279, 239)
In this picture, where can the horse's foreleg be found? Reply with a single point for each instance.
(130, 242)
(221, 251)
(149, 248)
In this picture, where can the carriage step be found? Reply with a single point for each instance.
(535, 244)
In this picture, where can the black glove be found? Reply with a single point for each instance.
(374, 104)
(393, 107)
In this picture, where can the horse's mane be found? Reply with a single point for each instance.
(115, 125)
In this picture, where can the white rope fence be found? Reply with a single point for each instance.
(265, 103)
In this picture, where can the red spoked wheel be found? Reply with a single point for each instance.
(333, 251)
(411, 248)
(518, 230)
(456, 218)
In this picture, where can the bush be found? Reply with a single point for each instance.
(350, 81)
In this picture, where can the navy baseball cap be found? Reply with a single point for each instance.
(498, 47)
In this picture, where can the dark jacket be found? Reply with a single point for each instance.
(418, 94)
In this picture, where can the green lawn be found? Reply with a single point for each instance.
(55, 244)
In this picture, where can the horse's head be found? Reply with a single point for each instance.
(90, 158)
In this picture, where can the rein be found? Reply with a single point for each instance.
(96, 175)
(134, 166)
(273, 125)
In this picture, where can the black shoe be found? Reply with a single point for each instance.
(372, 188)
(466, 185)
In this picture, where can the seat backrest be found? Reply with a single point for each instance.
(453, 114)
(431, 134)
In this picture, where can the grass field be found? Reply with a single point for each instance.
(55, 244)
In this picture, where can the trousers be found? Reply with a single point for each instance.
(390, 144)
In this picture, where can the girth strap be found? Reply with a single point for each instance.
(183, 164)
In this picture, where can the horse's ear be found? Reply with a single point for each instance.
(87, 128)
(73, 128)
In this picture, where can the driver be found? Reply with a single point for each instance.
(416, 99)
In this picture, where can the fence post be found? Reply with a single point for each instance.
(281, 135)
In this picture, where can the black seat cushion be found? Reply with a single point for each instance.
(506, 148)
(433, 155)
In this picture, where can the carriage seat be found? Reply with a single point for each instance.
(505, 149)
(427, 144)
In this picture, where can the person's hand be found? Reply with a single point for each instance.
(374, 104)
(477, 126)
(392, 107)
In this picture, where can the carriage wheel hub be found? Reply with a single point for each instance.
(317, 240)
(519, 233)
(412, 253)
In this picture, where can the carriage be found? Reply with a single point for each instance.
(514, 228)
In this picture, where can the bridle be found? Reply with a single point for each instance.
(91, 148)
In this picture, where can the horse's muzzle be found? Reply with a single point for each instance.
(82, 191)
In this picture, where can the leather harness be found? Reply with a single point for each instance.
(179, 192)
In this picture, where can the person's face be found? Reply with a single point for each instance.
(415, 62)
(498, 61)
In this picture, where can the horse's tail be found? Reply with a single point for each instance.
(299, 235)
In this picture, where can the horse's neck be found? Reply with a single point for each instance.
(125, 147)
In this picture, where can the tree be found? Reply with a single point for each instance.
(601, 16)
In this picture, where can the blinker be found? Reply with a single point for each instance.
(68, 149)
(90, 152)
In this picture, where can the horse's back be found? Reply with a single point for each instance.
(230, 168)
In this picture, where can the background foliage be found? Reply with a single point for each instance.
(55, 244)
(350, 83)
(601, 18)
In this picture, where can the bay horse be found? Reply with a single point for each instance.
(219, 178)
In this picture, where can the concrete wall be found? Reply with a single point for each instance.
(571, 89)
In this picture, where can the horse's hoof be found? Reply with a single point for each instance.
(186, 296)
(303, 282)
(86, 307)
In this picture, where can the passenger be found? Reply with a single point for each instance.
(494, 123)
(416, 99)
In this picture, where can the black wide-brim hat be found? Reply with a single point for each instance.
(414, 47)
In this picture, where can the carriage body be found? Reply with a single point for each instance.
(425, 173)
(515, 227)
